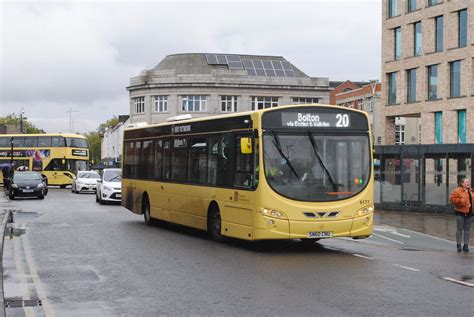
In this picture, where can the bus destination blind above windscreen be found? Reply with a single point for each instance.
(314, 118)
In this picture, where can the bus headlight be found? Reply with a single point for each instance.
(365, 211)
(272, 213)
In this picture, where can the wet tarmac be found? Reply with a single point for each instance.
(441, 226)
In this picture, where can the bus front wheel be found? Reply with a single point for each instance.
(214, 223)
(146, 211)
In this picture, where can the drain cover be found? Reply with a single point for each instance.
(18, 302)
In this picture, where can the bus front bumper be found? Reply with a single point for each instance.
(273, 228)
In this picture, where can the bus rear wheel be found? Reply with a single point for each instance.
(146, 212)
(214, 224)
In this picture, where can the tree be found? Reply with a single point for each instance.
(15, 120)
(109, 123)
(94, 146)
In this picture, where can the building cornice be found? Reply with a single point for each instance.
(226, 85)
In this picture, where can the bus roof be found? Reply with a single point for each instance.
(238, 114)
(66, 135)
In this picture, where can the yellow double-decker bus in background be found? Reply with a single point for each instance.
(294, 172)
(56, 156)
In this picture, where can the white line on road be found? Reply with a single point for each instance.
(362, 256)
(430, 236)
(459, 282)
(48, 310)
(393, 240)
(22, 277)
(407, 268)
(390, 230)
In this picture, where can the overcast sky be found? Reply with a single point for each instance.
(58, 55)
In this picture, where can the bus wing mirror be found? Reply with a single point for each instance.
(246, 145)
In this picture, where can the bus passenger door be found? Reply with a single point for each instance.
(239, 207)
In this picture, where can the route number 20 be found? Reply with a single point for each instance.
(342, 120)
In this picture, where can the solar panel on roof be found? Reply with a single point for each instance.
(280, 72)
(289, 73)
(248, 64)
(286, 65)
(267, 65)
(257, 63)
(233, 58)
(211, 59)
(235, 65)
(270, 72)
(251, 72)
(277, 65)
(260, 72)
(221, 59)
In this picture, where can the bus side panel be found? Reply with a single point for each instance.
(236, 212)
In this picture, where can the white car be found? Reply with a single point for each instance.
(85, 181)
(109, 188)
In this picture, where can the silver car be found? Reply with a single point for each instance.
(85, 181)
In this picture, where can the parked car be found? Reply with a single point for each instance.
(109, 187)
(27, 184)
(85, 181)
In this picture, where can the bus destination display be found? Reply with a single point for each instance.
(315, 120)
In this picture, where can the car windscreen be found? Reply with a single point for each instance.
(88, 175)
(26, 177)
(113, 176)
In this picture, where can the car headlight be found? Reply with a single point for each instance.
(272, 213)
(108, 188)
(40, 186)
(14, 186)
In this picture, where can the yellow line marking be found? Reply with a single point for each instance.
(22, 276)
(48, 309)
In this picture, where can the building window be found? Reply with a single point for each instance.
(433, 82)
(370, 102)
(455, 78)
(139, 103)
(264, 102)
(392, 8)
(461, 126)
(399, 134)
(392, 88)
(439, 33)
(411, 5)
(229, 103)
(192, 103)
(462, 27)
(161, 103)
(432, 2)
(438, 127)
(417, 39)
(303, 100)
(411, 85)
(397, 49)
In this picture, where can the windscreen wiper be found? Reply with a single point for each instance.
(315, 149)
(276, 142)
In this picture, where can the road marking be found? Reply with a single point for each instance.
(362, 256)
(378, 235)
(48, 310)
(458, 281)
(391, 230)
(22, 277)
(430, 236)
(407, 268)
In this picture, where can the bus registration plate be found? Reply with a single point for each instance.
(320, 234)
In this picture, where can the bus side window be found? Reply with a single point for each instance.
(56, 141)
(166, 160)
(225, 160)
(158, 159)
(212, 160)
(243, 175)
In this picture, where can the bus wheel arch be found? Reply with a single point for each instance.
(214, 222)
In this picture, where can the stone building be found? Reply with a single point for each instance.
(111, 142)
(210, 84)
(428, 69)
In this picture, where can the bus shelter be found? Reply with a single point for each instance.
(420, 177)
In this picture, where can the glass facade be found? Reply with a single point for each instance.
(462, 26)
(455, 79)
(417, 38)
(433, 82)
(432, 2)
(461, 126)
(411, 85)
(438, 127)
(392, 88)
(439, 30)
(398, 43)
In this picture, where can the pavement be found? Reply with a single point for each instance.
(4, 215)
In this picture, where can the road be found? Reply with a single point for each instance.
(79, 258)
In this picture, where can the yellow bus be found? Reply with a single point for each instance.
(57, 156)
(293, 172)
